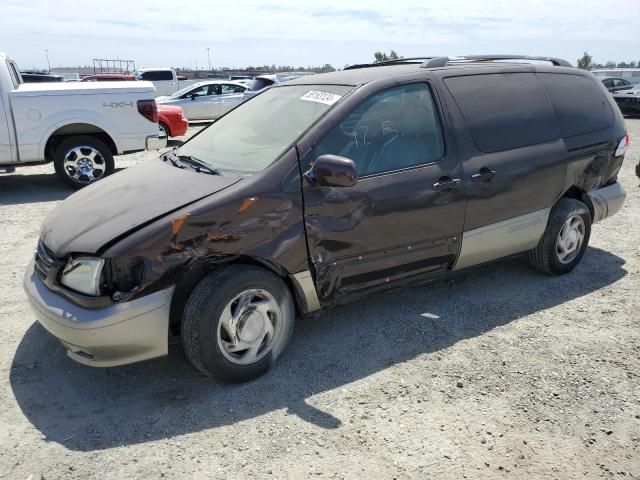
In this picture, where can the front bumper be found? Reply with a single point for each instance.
(155, 143)
(607, 201)
(116, 335)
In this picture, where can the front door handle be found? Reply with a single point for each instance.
(485, 175)
(446, 183)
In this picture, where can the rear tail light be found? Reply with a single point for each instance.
(148, 109)
(622, 146)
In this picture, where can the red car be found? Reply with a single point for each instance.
(171, 121)
(170, 118)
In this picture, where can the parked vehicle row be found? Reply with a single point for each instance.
(632, 75)
(322, 190)
(614, 84)
(77, 126)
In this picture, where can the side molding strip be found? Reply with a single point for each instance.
(502, 239)
(304, 280)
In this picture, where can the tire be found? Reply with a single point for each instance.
(95, 158)
(551, 256)
(206, 338)
(164, 130)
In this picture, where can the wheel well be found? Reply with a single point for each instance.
(197, 272)
(74, 129)
(578, 194)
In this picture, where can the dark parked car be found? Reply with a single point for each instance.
(628, 101)
(614, 84)
(37, 77)
(326, 189)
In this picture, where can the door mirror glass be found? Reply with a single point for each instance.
(333, 171)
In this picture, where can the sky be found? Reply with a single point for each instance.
(294, 32)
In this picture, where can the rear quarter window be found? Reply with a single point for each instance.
(580, 104)
(504, 111)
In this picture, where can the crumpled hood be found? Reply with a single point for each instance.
(90, 218)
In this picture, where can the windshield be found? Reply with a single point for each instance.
(259, 84)
(184, 90)
(252, 136)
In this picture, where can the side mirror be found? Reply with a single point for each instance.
(194, 96)
(333, 171)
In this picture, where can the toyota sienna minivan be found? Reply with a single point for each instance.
(320, 191)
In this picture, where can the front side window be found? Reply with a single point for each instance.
(252, 136)
(198, 92)
(391, 130)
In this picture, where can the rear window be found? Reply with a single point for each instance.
(580, 103)
(504, 111)
(260, 83)
(157, 75)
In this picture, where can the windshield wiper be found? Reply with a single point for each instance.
(173, 159)
(199, 165)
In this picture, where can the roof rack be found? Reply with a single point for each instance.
(557, 62)
(395, 61)
(436, 62)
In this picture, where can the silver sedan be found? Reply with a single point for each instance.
(206, 100)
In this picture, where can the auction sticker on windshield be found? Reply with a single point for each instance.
(321, 97)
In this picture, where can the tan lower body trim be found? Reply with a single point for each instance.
(502, 239)
(304, 280)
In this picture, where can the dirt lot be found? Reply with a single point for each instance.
(501, 373)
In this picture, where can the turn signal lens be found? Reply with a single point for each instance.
(622, 146)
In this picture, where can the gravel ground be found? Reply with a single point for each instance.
(500, 373)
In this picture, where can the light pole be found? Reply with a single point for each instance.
(208, 59)
(46, 52)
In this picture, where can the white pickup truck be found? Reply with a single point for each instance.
(77, 126)
(166, 80)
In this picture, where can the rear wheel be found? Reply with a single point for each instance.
(82, 160)
(164, 130)
(237, 322)
(565, 239)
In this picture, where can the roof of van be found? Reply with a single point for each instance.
(360, 76)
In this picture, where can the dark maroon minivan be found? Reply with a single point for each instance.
(322, 190)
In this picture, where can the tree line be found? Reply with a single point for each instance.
(586, 63)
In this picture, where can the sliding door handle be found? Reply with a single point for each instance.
(485, 175)
(446, 183)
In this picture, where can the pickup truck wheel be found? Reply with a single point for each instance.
(565, 239)
(82, 160)
(237, 322)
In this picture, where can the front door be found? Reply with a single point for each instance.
(405, 215)
(202, 102)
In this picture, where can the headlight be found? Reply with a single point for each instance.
(82, 274)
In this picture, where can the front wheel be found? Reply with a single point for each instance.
(565, 239)
(237, 322)
(82, 160)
